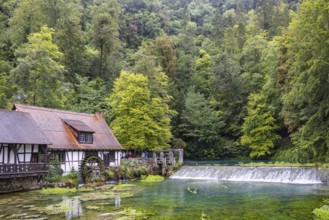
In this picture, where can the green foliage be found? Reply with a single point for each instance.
(129, 169)
(178, 143)
(259, 126)
(203, 72)
(57, 191)
(140, 121)
(104, 32)
(293, 155)
(70, 37)
(6, 88)
(153, 178)
(27, 18)
(201, 125)
(87, 96)
(306, 100)
(71, 179)
(54, 171)
(226, 50)
(38, 73)
(322, 213)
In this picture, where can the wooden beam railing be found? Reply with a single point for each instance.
(7, 169)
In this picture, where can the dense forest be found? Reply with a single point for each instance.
(222, 78)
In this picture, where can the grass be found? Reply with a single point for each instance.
(283, 164)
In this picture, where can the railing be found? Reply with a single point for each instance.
(6, 169)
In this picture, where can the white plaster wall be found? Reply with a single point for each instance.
(5, 153)
(12, 157)
(28, 158)
(73, 160)
(119, 158)
(28, 148)
(36, 149)
(101, 155)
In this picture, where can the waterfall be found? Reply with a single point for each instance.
(298, 175)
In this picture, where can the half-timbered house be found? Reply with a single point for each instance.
(75, 136)
(23, 150)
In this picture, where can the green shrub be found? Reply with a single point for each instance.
(54, 172)
(110, 174)
(322, 213)
(71, 179)
(293, 155)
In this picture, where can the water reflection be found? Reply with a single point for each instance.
(117, 202)
(74, 207)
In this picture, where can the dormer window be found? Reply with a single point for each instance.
(85, 138)
(82, 132)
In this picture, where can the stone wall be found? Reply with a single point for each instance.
(18, 184)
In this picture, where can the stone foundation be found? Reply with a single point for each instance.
(18, 184)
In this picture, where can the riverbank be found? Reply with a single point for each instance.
(253, 163)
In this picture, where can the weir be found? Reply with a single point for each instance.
(296, 175)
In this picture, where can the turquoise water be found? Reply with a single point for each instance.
(175, 199)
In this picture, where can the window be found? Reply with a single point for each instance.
(85, 138)
(59, 156)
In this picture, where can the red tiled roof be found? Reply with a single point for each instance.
(20, 128)
(52, 123)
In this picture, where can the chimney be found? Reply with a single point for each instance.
(99, 115)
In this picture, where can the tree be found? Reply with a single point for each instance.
(251, 59)
(306, 96)
(70, 38)
(144, 62)
(163, 49)
(87, 96)
(140, 120)
(201, 126)
(203, 72)
(104, 31)
(259, 126)
(28, 18)
(227, 91)
(6, 90)
(38, 73)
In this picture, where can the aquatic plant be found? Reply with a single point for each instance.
(192, 190)
(57, 191)
(53, 209)
(127, 214)
(92, 207)
(153, 178)
(123, 187)
(104, 196)
(322, 213)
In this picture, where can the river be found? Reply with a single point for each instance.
(172, 199)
